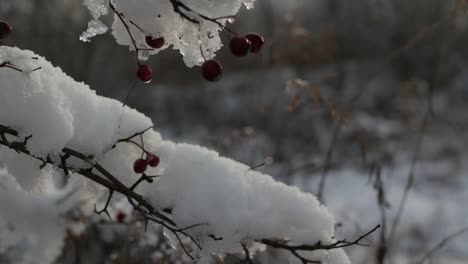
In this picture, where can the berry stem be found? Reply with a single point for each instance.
(129, 93)
(9, 65)
(142, 146)
(127, 28)
(138, 145)
(178, 5)
(202, 54)
(138, 27)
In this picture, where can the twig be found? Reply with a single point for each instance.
(104, 210)
(127, 28)
(441, 244)
(355, 99)
(129, 93)
(247, 259)
(318, 246)
(179, 6)
(328, 162)
(7, 64)
(411, 175)
(382, 248)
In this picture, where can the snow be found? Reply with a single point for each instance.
(157, 18)
(226, 198)
(429, 212)
(96, 7)
(235, 202)
(23, 240)
(95, 27)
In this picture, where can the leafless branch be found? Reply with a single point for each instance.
(382, 247)
(181, 9)
(7, 64)
(411, 175)
(318, 246)
(441, 244)
(423, 33)
(122, 19)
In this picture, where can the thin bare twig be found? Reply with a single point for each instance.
(441, 244)
(355, 99)
(318, 246)
(411, 175)
(179, 8)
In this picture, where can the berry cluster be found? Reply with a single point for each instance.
(144, 72)
(140, 165)
(240, 46)
(211, 69)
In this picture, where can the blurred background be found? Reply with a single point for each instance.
(363, 103)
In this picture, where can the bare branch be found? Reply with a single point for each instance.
(441, 244)
(104, 210)
(317, 246)
(411, 175)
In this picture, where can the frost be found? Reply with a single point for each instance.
(223, 197)
(96, 7)
(95, 27)
(157, 18)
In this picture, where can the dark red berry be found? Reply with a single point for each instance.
(152, 160)
(256, 40)
(212, 70)
(140, 166)
(5, 29)
(145, 73)
(155, 42)
(120, 217)
(240, 46)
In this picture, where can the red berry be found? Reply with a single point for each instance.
(145, 73)
(239, 46)
(120, 216)
(212, 70)
(155, 42)
(152, 160)
(140, 166)
(5, 29)
(256, 40)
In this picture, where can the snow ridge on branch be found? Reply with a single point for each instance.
(218, 204)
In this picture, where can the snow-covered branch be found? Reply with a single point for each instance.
(215, 202)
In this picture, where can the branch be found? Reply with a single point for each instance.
(127, 28)
(104, 210)
(411, 174)
(107, 180)
(410, 43)
(318, 246)
(7, 64)
(442, 243)
(247, 259)
(100, 175)
(179, 7)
